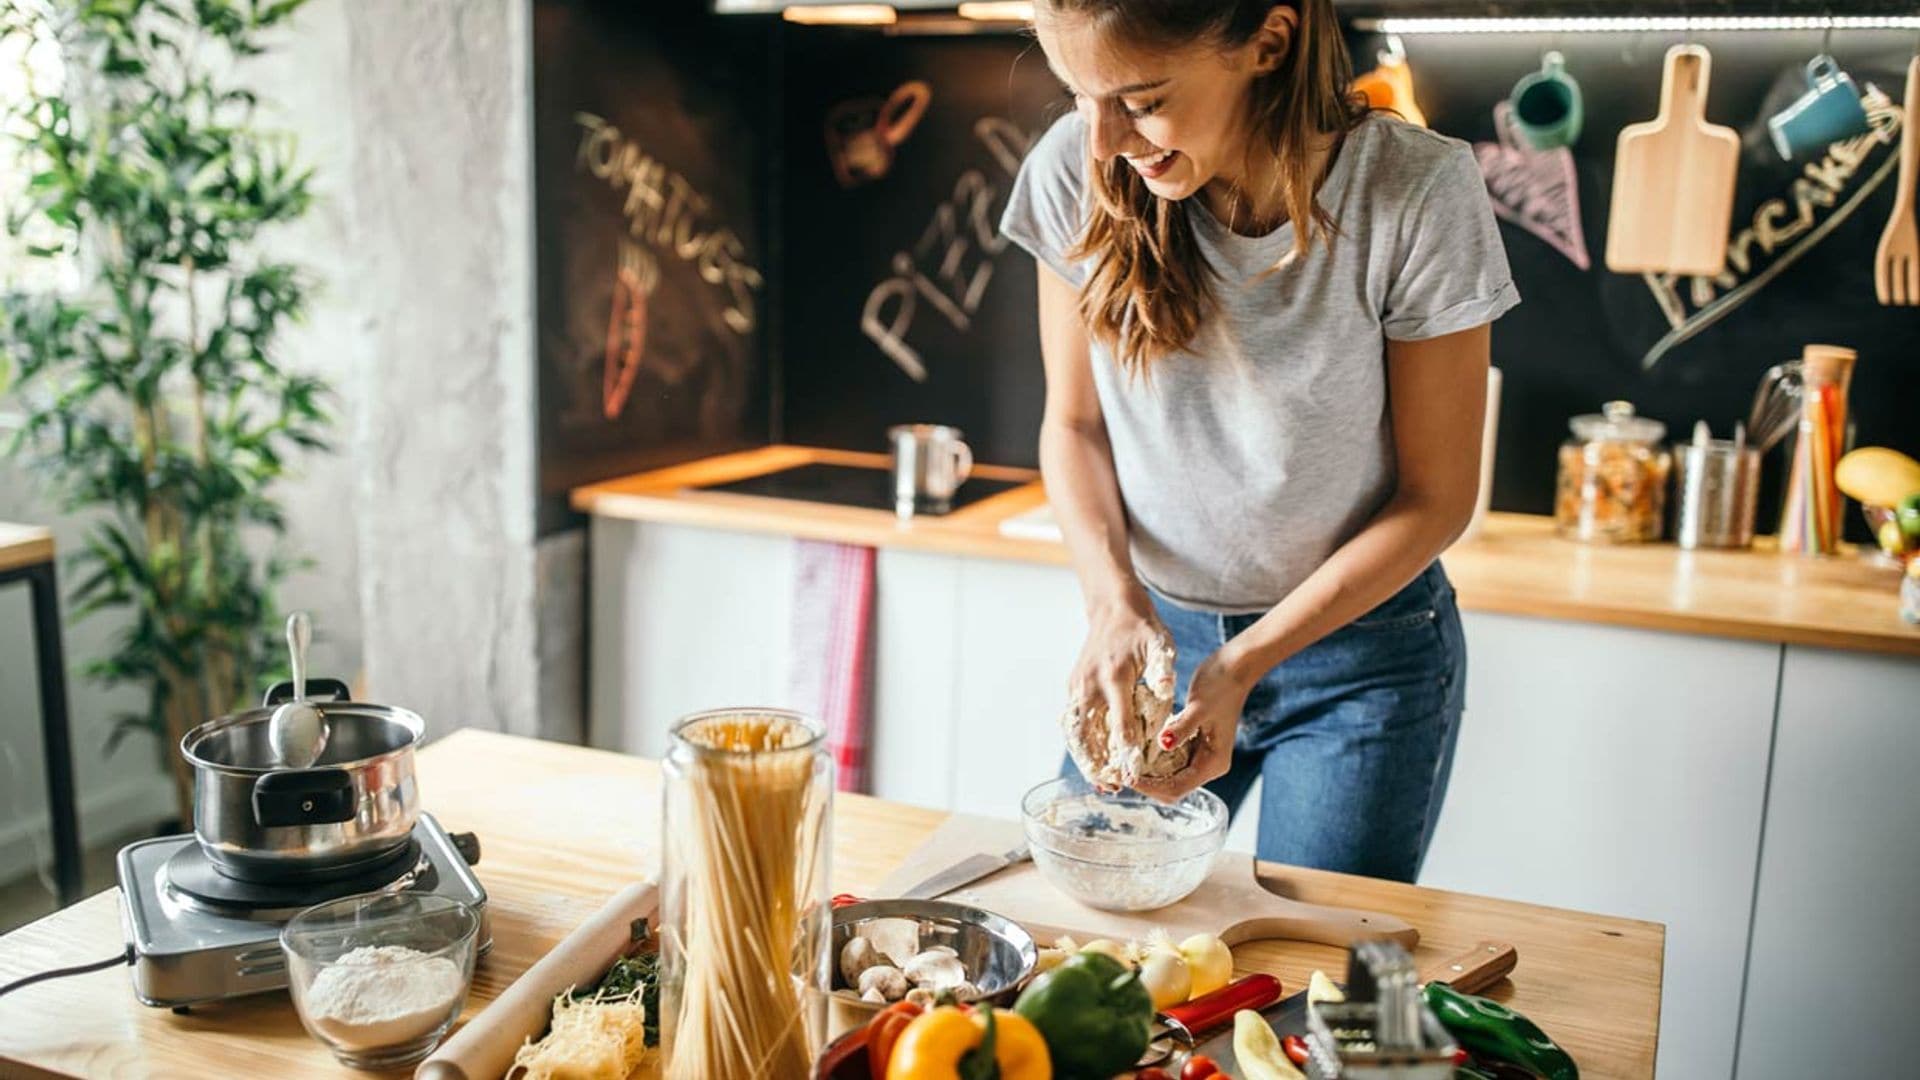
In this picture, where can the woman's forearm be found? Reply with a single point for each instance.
(1077, 463)
(1380, 560)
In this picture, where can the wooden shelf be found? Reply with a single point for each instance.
(23, 545)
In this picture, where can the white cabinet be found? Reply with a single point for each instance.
(683, 619)
(1831, 983)
(1619, 771)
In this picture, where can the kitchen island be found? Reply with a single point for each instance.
(563, 827)
(1640, 719)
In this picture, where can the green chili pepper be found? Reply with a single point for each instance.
(1492, 1031)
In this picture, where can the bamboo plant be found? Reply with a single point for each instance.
(153, 400)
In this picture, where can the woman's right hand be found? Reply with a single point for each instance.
(1120, 638)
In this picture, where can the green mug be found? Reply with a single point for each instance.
(1546, 107)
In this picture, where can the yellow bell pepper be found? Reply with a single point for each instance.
(931, 1048)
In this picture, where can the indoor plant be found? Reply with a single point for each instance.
(146, 369)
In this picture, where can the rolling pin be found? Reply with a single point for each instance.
(484, 1047)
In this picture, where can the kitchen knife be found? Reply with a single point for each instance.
(965, 872)
(1470, 972)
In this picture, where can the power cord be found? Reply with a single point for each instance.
(61, 973)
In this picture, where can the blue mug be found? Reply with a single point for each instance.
(1826, 113)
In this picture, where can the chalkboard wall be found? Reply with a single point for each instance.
(892, 298)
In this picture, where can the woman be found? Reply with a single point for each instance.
(1264, 317)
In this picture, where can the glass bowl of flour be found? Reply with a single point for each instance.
(1124, 851)
(379, 978)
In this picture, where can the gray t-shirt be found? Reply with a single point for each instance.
(1246, 459)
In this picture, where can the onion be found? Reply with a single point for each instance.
(1210, 961)
(1164, 973)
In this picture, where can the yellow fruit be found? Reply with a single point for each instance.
(1878, 476)
(1210, 961)
(1258, 1049)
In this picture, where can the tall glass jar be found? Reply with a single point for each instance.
(1810, 521)
(746, 918)
(1612, 484)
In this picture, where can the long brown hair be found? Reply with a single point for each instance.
(1150, 287)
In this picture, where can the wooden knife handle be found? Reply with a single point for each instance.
(1475, 969)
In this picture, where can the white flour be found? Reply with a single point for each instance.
(382, 995)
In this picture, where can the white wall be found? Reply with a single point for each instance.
(417, 119)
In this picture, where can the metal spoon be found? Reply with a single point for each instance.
(297, 731)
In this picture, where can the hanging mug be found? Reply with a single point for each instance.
(1826, 113)
(1545, 107)
(862, 135)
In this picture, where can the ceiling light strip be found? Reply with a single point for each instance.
(1634, 24)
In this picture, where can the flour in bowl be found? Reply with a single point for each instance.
(383, 995)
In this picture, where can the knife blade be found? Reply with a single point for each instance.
(965, 872)
(1470, 972)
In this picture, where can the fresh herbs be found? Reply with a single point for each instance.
(640, 971)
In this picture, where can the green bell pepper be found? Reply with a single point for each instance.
(1094, 1014)
(1490, 1030)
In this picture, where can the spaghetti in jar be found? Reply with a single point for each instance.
(746, 943)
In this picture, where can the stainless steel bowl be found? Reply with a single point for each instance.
(997, 954)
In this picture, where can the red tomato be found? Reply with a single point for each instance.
(1151, 1074)
(1199, 1067)
(1296, 1049)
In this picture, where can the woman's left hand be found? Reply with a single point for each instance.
(1215, 699)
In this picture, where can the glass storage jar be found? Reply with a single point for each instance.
(1613, 477)
(746, 918)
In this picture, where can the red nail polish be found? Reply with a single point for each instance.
(1166, 740)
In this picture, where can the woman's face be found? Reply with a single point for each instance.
(1178, 117)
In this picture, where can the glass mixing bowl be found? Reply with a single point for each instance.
(1122, 852)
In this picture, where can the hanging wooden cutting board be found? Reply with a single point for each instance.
(1231, 902)
(1673, 180)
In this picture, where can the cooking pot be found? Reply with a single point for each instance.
(354, 807)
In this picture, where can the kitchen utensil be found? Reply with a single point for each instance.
(1122, 851)
(325, 968)
(483, 1048)
(862, 135)
(1896, 264)
(966, 872)
(1183, 1025)
(1612, 483)
(297, 731)
(265, 823)
(1673, 179)
(1230, 903)
(1470, 971)
(930, 462)
(1383, 1028)
(1390, 84)
(1716, 492)
(198, 935)
(1828, 111)
(1545, 107)
(1776, 405)
(1810, 514)
(996, 952)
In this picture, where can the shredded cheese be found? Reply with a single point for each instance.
(590, 1040)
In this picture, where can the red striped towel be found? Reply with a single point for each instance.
(831, 649)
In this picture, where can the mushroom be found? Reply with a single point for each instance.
(874, 995)
(936, 969)
(921, 996)
(858, 955)
(964, 992)
(886, 979)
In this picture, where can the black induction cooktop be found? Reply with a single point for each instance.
(849, 485)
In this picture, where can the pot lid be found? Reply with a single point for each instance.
(1616, 422)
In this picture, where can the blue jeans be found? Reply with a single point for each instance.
(1353, 736)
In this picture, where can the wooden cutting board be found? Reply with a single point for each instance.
(1232, 902)
(1673, 180)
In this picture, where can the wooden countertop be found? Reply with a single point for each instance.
(1515, 566)
(562, 827)
(23, 545)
